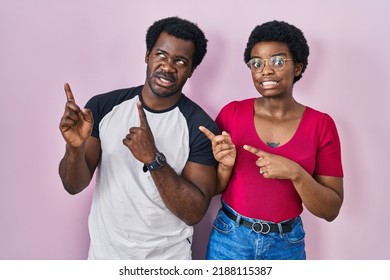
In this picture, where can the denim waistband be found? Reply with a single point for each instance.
(258, 226)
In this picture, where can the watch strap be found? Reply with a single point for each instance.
(158, 162)
(153, 166)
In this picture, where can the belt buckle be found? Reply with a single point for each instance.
(255, 224)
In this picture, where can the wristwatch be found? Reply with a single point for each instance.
(158, 162)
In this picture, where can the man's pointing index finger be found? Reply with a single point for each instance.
(142, 115)
(68, 92)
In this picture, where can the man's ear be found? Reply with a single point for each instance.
(146, 56)
(192, 72)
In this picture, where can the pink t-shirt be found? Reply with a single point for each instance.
(315, 146)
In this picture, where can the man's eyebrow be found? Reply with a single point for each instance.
(183, 57)
(161, 50)
(177, 57)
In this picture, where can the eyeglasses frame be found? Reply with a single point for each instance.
(267, 59)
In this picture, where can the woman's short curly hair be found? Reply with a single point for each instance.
(182, 29)
(283, 32)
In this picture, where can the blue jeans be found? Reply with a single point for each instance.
(230, 241)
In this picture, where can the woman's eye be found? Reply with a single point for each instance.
(256, 63)
(278, 61)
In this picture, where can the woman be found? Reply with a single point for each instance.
(275, 155)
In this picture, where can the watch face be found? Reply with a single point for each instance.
(160, 158)
(159, 161)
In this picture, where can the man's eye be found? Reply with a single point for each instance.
(180, 62)
(160, 54)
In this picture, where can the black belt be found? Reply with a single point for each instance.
(261, 227)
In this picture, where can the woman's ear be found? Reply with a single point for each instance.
(298, 69)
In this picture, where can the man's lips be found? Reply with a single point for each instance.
(164, 79)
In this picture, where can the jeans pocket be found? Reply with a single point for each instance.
(223, 224)
(297, 234)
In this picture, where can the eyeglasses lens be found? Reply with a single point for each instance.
(275, 62)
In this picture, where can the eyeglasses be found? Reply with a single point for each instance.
(276, 63)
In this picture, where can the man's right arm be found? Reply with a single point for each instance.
(78, 165)
(83, 151)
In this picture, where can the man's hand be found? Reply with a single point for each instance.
(223, 148)
(140, 139)
(76, 124)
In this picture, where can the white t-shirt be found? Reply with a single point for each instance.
(128, 219)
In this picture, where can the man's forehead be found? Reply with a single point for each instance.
(174, 46)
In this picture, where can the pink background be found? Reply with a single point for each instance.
(98, 46)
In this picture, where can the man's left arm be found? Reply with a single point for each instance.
(187, 196)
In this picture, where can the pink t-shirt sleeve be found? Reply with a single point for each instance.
(223, 118)
(328, 159)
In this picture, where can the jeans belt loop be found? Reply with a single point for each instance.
(238, 220)
(281, 233)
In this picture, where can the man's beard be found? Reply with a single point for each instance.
(156, 92)
(156, 75)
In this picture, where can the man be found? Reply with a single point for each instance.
(156, 173)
